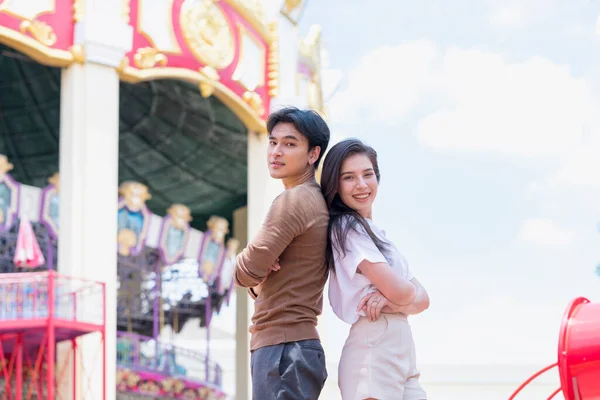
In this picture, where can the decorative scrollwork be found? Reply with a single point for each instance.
(148, 57)
(250, 9)
(273, 61)
(41, 31)
(125, 11)
(255, 102)
(78, 53)
(291, 5)
(78, 10)
(207, 33)
(207, 87)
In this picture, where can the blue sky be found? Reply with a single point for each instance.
(485, 115)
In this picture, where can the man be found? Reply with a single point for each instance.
(284, 265)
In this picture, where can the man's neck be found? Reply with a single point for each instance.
(292, 182)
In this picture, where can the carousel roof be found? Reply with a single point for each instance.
(186, 148)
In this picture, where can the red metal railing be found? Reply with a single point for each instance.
(37, 311)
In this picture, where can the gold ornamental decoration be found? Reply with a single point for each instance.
(148, 57)
(41, 31)
(125, 11)
(211, 77)
(207, 33)
(273, 61)
(251, 10)
(255, 102)
(78, 10)
(78, 53)
(291, 5)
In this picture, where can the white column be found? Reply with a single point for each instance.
(88, 203)
(89, 151)
(262, 189)
(242, 315)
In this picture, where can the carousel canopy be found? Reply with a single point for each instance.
(186, 148)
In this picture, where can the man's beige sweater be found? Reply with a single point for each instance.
(295, 231)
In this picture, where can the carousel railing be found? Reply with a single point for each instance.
(143, 353)
(28, 296)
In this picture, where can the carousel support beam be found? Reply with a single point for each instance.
(89, 156)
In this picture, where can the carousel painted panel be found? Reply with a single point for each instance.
(133, 218)
(42, 29)
(175, 233)
(212, 250)
(220, 44)
(50, 205)
(9, 195)
(225, 283)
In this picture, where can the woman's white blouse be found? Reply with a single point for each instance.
(346, 286)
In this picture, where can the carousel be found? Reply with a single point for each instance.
(132, 142)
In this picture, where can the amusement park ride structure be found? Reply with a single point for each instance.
(42, 308)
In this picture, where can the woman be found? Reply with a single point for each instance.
(371, 286)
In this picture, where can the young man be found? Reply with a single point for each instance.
(284, 265)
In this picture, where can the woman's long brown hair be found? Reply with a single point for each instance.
(342, 218)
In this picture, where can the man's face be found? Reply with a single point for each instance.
(288, 155)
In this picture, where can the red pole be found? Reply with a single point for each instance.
(549, 367)
(50, 332)
(557, 391)
(19, 348)
(74, 385)
(104, 343)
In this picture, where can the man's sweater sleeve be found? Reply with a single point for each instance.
(286, 219)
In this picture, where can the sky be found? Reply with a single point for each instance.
(485, 117)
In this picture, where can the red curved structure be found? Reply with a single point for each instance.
(578, 353)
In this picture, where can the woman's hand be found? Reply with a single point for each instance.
(420, 303)
(372, 304)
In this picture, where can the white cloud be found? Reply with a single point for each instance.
(387, 83)
(544, 231)
(519, 13)
(471, 100)
(509, 15)
(580, 168)
(529, 108)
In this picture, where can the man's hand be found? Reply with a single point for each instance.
(372, 304)
(273, 268)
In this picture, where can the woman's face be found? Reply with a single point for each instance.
(358, 184)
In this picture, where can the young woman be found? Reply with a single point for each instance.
(371, 286)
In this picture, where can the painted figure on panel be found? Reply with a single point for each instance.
(5, 189)
(54, 199)
(176, 230)
(213, 247)
(133, 217)
(226, 276)
(49, 212)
